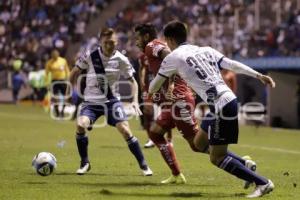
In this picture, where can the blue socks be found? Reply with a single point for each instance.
(82, 145)
(133, 145)
(235, 167)
(236, 157)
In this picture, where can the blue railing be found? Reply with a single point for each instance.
(267, 63)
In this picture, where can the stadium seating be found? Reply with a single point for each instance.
(30, 29)
(229, 26)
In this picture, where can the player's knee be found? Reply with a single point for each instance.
(201, 148)
(201, 142)
(148, 110)
(194, 148)
(155, 128)
(83, 122)
(152, 128)
(153, 136)
(80, 130)
(216, 160)
(156, 132)
(123, 128)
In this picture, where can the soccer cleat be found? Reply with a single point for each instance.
(179, 179)
(147, 172)
(149, 144)
(84, 167)
(250, 164)
(261, 190)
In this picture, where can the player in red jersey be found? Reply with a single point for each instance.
(175, 92)
(148, 108)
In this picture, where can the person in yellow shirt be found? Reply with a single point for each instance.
(58, 68)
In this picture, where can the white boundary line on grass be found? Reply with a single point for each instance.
(270, 149)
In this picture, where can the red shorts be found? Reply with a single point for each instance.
(179, 114)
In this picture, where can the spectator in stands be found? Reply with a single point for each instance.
(36, 79)
(58, 68)
(18, 81)
(52, 24)
(217, 22)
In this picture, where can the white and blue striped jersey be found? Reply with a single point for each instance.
(200, 68)
(103, 86)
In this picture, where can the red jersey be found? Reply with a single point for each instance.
(152, 49)
(144, 64)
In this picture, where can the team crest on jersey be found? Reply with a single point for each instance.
(113, 64)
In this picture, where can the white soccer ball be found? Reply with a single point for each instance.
(44, 163)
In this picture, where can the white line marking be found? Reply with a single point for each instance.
(270, 149)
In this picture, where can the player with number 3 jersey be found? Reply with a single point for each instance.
(200, 67)
(176, 101)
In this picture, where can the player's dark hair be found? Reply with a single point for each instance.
(146, 28)
(106, 32)
(176, 30)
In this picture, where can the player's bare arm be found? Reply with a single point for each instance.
(142, 74)
(169, 95)
(134, 94)
(74, 74)
(240, 68)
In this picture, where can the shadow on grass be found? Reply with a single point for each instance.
(36, 182)
(112, 147)
(90, 174)
(133, 184)
(127, 184)
(105, 192)
(74, 174)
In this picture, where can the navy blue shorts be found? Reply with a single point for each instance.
(59, 86)
(223, 127)
(113, 111)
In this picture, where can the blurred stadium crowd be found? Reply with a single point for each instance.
(229, 26)
(30, 29)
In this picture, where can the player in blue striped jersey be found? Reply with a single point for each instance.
(104, 67)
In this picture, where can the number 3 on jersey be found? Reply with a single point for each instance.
(202, 66)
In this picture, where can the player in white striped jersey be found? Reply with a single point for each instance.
(103, 67)
(200, 68)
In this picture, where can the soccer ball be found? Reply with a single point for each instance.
(44, 163)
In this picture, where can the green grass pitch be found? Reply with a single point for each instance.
(27, 130)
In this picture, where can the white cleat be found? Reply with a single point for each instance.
(250, 164)
(149, 144)
(261, 190)
(147, 172)
(84, 168)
